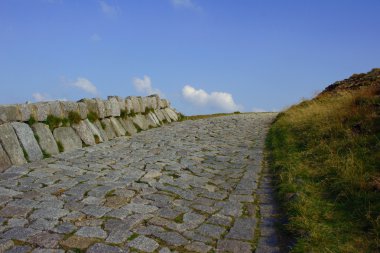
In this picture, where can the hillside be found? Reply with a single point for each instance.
(325, 154)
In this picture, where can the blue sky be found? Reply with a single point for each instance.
(204, 56)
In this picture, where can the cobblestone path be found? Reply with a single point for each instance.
(193, 186)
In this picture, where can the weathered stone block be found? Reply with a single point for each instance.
(83, 111)
(46, 138)
(119, 130)
(144, 103)
(140, 121)
(159, 115)
(84, 133)
(28, 141)
(42, 110)
(115, 108)
(166, 115)
(154, 118)
(121, 102)
(11, 144)
(128, 104)
(9, 113)
(129, 127)
(95, 131)
(102, 132)
(56, 109)
(101, 108)
(68, 138)
(136, 107)
(173, 116)
(5, 162)
(150, 121)
(108, 108)
(24, 112)
(155, 101)
(109, 129)
(68, 107)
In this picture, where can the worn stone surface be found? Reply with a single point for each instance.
(27, 141)
(108, 129)
(129, 127)
(67, 136)
(11, 145)
(140, 121)
(119, 129)
(41, 111)
(69, 106)
(9, 113)
(56, 109)
(84, 132)
(83, 111)
(102, 132)
(114, 106)
(46, 138)
(5, 163)
(173, 116)
(185, 187)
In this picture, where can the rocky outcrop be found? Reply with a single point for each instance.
(29, 132)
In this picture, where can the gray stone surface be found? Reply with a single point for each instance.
(109, 130)
(83, 111)
(173, 116)
(56, 109)
(94, 130)
(140, 121)
(46, 138)
(41, 110)
(68, 138)
(136, 106)
(9, 113)
(108, 108)
(101, 110)
(119, 129)
(144, 244)
(115, 107)
(102, 132)
(191, 186)
(5, 163)
(84, 132)
(129, 127)
(27, 141)
(24, 111)
(11, 145)
(128, 104)
(69, 106)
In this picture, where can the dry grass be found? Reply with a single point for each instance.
(325, 153)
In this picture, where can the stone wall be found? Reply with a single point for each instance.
(30, 132)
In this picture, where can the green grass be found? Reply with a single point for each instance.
(123, 114)
(74, 117)
(31, 120)
(92, 116)
(53, 122)
(325, 155)
(25, 154)
(97, 139)
(46, 154)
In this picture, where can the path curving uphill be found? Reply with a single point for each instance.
(190, 186)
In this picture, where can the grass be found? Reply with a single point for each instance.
(25, 154)
(53, 122)
(46, 154)
(31, 120)
(325, 155)
(74, 117)
(92, 116)
(123, 114)
(97, 139)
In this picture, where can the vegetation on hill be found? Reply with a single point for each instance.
(325, 154)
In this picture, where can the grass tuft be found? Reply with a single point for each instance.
(53, 122)
(74, 117)
(31, 120)
(92, 116)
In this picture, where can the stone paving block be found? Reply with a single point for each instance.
(11, 145)
(104, 248)
(45, 138)
(172, 238)
(243, 229)
(92, 232)
(19, 233)
(211, 230)
(234, 246)
(20, 249)
(68, 138)
(77, 242)
(45, 240)
(27, 140)
(144, 244)
(15, 211)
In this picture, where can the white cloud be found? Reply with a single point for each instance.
(85, 84)
(95, 37)
(218, 100)
(145, 86)
(186, 4)
(39, 97)
(109, 10)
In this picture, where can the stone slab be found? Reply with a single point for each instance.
(109, 130)
(11, 145)
(68, 138)
(5, 162)
(82, 129)
(83, 111)
(94, 130)
(102, 132)
(129, 126)
(46, 138)
(115, 108)
(28, 141)
(119, 130)
(173, 116)
(140, 121)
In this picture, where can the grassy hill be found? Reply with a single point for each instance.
(325, 154)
